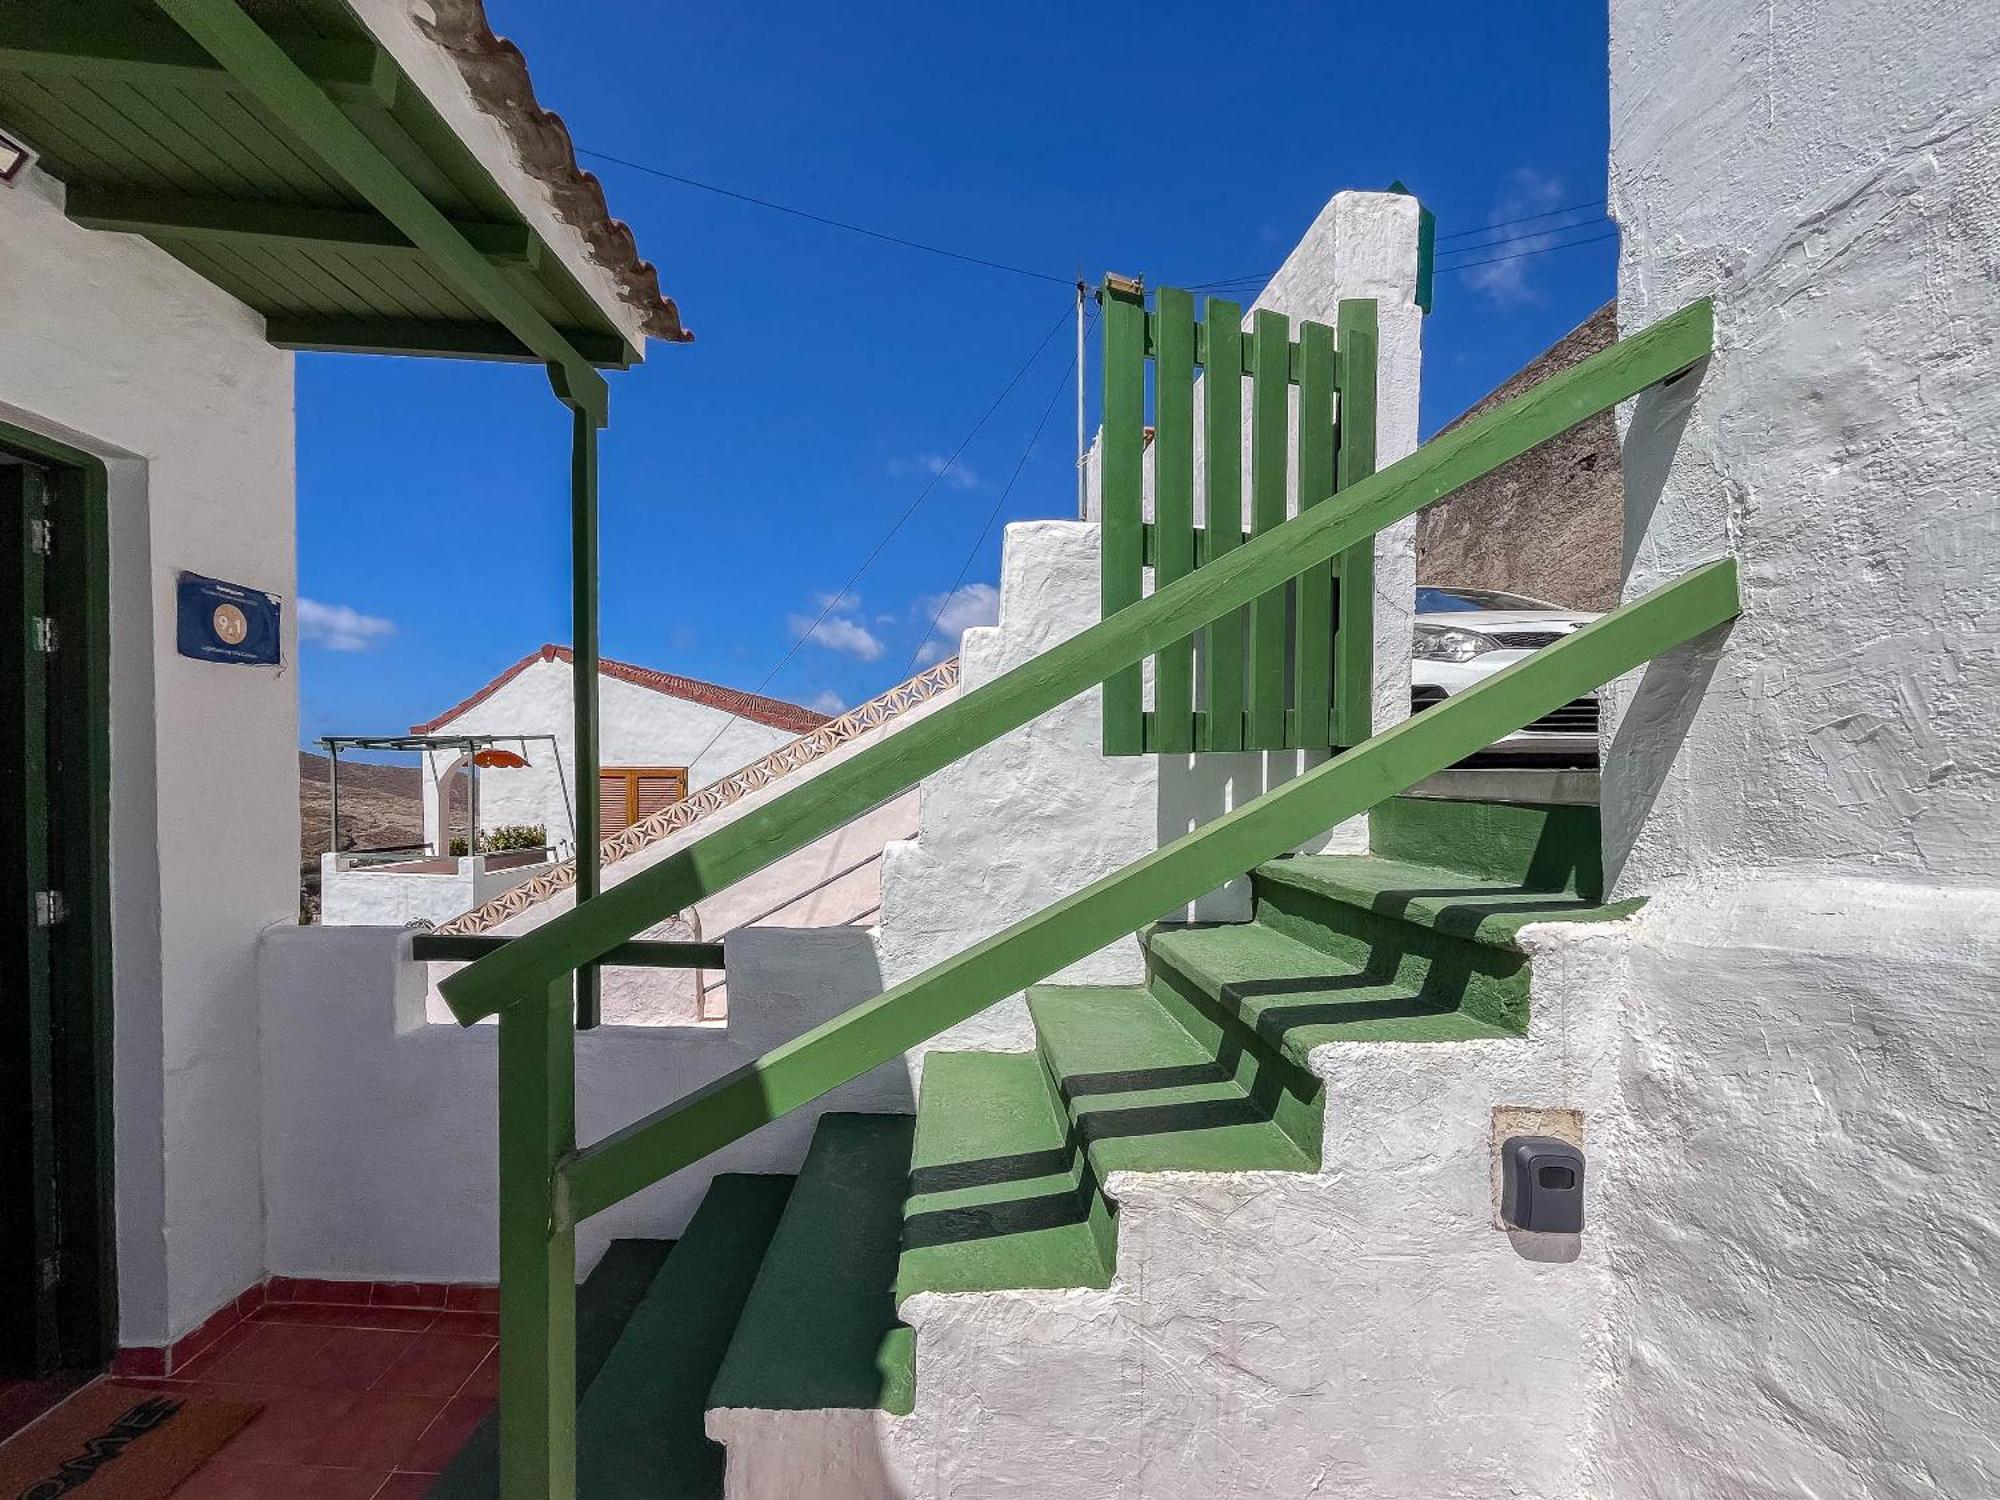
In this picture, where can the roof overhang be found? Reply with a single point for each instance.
(366, 180)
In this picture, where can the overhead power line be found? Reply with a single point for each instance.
(972, 553)
(801, 213)
(1524, 219)
(1467, 265)
(1259, 278)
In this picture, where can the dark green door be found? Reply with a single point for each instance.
(54, 1218)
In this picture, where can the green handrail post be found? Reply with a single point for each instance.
(537, 1251)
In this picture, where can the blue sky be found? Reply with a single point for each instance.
(747, 475)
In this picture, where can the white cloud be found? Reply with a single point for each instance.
(954, 472)
(1505, 276)
(338, 627)
(828, 702)
(839, 633)
(955, 613)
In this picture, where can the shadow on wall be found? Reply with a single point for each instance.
(1653, 716)
(1198, 789)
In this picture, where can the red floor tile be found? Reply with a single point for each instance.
(472, 1298)
(221, 1481)
(375, 1432)
(429, 1294)
(406, 1487)
(321, 1315)
(270, 1354)
(446, 1434)
(291, 1426)
(436, 1364)
(353, 1359)
(485, 1381)
(485, 1325)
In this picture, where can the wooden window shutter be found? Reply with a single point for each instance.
(627, 794)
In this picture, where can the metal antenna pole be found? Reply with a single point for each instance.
(1082, 454)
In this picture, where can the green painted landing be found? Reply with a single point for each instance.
(1000, 1196)
(820, 1328)
(1436, 898)
(1145, 1096)
(1293, 997)
(639, 1426)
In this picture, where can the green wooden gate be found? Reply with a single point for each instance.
(1294, 669)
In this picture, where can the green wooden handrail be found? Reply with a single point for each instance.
(911, 1013)
(531, 964)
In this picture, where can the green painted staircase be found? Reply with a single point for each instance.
(784, 1296)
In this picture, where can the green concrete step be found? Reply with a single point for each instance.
(1510, 843)
(1000, 1195)
(639, 1426)
(1477, 909)
(615, 1286)
(1145, 1096)
(820, 1327)
(1250, 984)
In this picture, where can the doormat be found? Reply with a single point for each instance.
(117, 1442)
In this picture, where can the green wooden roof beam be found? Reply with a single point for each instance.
(522, 972)
(350, 71)
(235, 221)
(343, 333)
(268, 74)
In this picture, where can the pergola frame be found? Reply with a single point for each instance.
(468, 746)
(466, 257)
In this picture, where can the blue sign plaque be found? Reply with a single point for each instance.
(228, 622)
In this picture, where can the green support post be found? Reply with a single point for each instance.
(537, 1252)
(583, 685)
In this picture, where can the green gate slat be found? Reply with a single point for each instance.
(1123, 537)
(1222, 448)
(1354, 605)
(1269, 398)
(1312, 650)
(1173, 511)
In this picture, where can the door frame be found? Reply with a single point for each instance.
(85, 1289)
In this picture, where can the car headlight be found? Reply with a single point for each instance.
(1445, 643)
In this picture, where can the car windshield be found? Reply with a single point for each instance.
(1432, 600)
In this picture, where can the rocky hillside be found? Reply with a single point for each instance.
(380, 806)
(1551, 524)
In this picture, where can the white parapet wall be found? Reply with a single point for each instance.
(1802, 1216)
(380, 1126)
(357, 892)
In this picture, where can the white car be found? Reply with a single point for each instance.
(1463, 635)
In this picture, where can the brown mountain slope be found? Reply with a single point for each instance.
(380, 806)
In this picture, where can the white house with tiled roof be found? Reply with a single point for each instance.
(661, 735)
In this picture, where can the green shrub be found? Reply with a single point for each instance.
(507, 836)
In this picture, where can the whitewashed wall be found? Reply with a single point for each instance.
(384, 1168)
(1803, 1220)
(637, 727)
(112, 347)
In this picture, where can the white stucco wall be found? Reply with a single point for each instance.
(1826, 173)
(384, 1168)
(1803, 1215)
(109, 345)
(637, 727)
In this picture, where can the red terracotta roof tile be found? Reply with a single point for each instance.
(752, 706)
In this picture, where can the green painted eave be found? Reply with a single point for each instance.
(151, 135)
